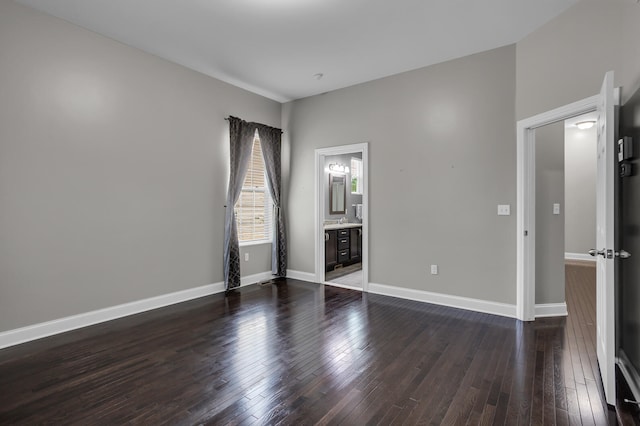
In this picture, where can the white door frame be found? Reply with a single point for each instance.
(320, 155)
(526, 235)
(605, 236)
(526, 200)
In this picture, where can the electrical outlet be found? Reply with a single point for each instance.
(434, 269)
(504, 209)
(246, 257)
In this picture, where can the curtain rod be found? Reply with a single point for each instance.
(281, 131)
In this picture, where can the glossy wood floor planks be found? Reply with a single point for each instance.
(300, 353)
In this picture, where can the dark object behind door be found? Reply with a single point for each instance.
(628, 310)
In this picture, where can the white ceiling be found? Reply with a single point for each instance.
(275, 47)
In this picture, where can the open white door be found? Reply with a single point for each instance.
(605, 309)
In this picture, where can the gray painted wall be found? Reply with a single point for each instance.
(601, 36)
(566, 59)
(351, 198)
(550, 227)
(111, 193)
(113, 171)
(410, 116)
(565, 174)
(580, 189)
(441, 158)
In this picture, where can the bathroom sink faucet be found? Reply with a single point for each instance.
(342, 220)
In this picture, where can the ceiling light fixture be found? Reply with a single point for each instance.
(584, 125)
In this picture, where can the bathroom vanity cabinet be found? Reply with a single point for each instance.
(342, 246)
(356, 245)
(330, 249)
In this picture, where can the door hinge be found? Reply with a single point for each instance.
(526, 233)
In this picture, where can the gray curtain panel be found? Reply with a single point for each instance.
(270, 140)
(241, 136)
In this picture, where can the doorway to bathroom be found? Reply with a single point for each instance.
(341, 216)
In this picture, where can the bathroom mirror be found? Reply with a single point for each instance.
(337, 194)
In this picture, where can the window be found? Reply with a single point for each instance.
(254, 207)
(356, 176)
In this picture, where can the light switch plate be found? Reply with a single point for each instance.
(434, 269)
(556, 208)
(504, 209)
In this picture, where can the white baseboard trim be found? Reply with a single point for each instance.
(73, 322)
(579, 256)
(302, 276)
(551, 310)
(485, 306)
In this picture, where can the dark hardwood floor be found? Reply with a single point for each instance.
(300, 353)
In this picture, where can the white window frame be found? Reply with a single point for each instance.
(359, 183)
(268, 208)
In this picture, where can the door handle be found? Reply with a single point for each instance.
(606, 253)
(623, 254)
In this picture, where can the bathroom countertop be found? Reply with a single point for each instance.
(343, 225)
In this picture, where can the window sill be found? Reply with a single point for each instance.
(254, 243)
